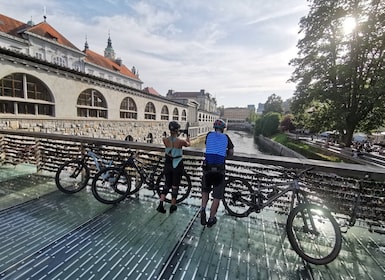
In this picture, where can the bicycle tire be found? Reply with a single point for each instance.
(111, 185)
(238, 188)
(320, 245)
(184, 187)
(72, 176)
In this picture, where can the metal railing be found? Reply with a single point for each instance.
(335, 185)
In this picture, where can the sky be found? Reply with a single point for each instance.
(236, 50)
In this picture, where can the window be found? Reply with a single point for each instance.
(25, 94)
(91, 104)
(164, 115)
(128, 109)
(59, 61)
(184, 115)
(149, 111)
(175, 115)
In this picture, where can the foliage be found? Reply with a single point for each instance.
(304, 149)
(287, 123)
(341, 76)
(274, 103)
(267, 125)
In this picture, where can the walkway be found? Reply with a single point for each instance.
(49, 235)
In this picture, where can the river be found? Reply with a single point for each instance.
(243, 142)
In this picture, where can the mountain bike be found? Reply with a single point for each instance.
(73, 175)
(111, 185)
(312, 231)
(365, 207)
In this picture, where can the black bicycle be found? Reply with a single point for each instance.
(366, 203)
(113, 184)
(73, 175)
(312, 231)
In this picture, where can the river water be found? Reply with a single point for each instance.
(243, 143)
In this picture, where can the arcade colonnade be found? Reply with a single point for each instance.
(41, 97)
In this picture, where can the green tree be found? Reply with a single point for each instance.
(267, 125)
(274, 103)
(342, 72)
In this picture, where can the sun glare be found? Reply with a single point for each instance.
(348, 25)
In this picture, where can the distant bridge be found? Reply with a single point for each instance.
(239, 125)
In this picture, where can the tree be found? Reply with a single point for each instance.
(343, 72)
(267, 125)
(287, 123)
(273, 104)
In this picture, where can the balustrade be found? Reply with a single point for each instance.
(334, 185)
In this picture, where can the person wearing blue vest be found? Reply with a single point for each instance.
(173, 166)
(218, 147)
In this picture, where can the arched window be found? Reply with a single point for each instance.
(129, 138)
(149, 138)
(128, 109)
(164, 115)
(91, 104)
(175, 115)
(149, 111)
(184, 115)
(25, 94)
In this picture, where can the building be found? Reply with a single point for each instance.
(48, 84)
(238, 118)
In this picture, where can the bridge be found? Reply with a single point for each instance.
(241, 125)
(47, 234)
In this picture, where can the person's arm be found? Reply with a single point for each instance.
(230, 147)
(187, 141)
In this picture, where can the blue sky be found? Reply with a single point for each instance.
(237, 50)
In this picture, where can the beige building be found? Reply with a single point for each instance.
(48, 84)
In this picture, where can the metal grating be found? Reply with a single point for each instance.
(62, 236)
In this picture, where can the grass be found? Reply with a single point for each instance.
(304, 149)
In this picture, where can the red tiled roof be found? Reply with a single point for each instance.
(95, 58)
(11, 26)
(45, 30)
(151, 90)
(16, 28)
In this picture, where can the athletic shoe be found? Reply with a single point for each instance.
(203, 218)
(211, 222)
(161, 209)
(172, 208)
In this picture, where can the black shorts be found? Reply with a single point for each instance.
(214, 180)
(173, 176)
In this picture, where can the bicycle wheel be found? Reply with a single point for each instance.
(238, 197)
(314, 234)
(184, 187)
(111, 185)
(72, 176)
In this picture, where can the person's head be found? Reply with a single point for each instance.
(219, 125)
(174, 127)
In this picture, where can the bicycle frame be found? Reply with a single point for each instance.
(146, 177)
(96, 158)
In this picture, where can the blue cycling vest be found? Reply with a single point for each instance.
(216, 148)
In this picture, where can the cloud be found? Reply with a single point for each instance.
(236, 50)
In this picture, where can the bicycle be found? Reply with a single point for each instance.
(312, 231)
(362, 206)
(111, 185)
(73, 175)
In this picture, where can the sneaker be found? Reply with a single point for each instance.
(161, 209)
(203, 218)
(211, 222)
(173, 208)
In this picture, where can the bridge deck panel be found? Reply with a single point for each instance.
(59, 236)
